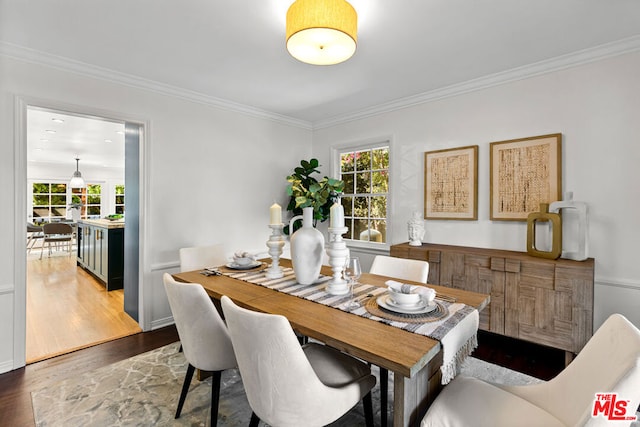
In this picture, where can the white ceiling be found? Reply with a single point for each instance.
(234, 51)
(56, 138)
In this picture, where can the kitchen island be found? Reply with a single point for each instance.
(101, 250)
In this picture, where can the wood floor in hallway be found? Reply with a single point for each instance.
(68, 309)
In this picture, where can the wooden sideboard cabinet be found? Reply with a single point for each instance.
(544, 301)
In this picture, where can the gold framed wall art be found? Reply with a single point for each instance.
(451, 183)
(524, 173)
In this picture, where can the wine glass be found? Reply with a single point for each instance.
(352, 272)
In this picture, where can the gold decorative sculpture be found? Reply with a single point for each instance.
(556, 232)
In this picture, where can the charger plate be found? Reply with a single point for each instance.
(440, 312)
(225, 269)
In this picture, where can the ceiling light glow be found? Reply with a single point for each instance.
(322, 32)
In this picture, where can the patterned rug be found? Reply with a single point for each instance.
(144, 391)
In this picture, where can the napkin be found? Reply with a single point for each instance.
(244, 254)
(405, 288)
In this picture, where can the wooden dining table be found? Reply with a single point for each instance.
(414, 359)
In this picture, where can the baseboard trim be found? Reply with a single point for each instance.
(6, 366)
(161, 323)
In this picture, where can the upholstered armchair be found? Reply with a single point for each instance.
(608, 363)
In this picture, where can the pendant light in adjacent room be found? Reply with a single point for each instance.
(76, 179)
(322, 32)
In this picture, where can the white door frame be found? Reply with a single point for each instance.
(21, 104)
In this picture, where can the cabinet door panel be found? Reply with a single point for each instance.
(537, 274)
(104, 255)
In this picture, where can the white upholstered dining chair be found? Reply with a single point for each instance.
(205, 340)
(402, 269)
(200, 257)
(608, 363)
(292, 385)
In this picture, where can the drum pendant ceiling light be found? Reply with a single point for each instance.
(322, 32)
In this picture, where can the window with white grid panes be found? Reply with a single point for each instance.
(94, 200)
(365, 173)
(91, 199)
(49, 201)
(119, 194)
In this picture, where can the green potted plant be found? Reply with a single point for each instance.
(304, 190)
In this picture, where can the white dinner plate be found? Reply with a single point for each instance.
(386, 302)
(234, 266)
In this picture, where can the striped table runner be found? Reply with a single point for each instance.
(459, 327)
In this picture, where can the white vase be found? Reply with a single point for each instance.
(575, 227)
(307, 249)
(75, 214)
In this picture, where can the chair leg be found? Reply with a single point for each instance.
(215, 397)
(302, 339)
(368, 410)
(384, 393)
(185, 388)
(254, 420)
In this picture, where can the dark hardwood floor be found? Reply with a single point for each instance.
(16, 386)
(529, 358)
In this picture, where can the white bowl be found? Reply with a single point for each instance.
(243, 261)
(404, 299)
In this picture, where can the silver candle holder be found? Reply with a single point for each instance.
(338, 254)
(275, 244)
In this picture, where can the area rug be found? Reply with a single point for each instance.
(144, 390)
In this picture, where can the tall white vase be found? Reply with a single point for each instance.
(307, 249)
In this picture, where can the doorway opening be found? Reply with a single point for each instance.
(73, 299)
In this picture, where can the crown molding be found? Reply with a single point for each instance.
(70, 65)
(574, 59)
(585, 56)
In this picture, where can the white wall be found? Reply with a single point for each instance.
(213, 174)
(597, 109)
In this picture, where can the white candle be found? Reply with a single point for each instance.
(336, 216)
(276, 214)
